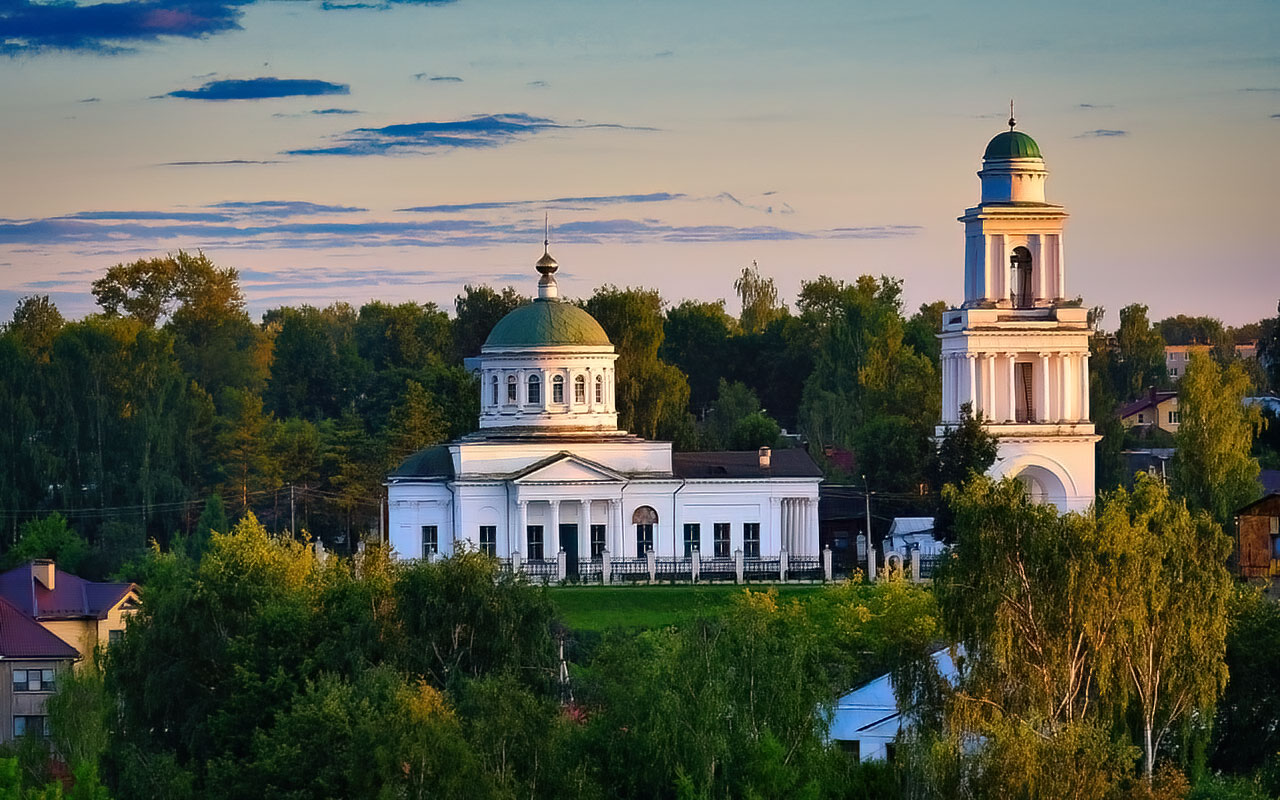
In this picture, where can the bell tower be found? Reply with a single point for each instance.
(1017, 350)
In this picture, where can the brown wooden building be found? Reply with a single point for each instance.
(1258, 538)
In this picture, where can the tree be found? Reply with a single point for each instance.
(1172, 633)
(1247, 724)
(478, 309)
(1213, 468)
(1269, 348)
(36, 323)
(49, 537)
(1139, 362)
(923, 328)
(965, 450)
(696, 340)
(415, 423)
(759, 297)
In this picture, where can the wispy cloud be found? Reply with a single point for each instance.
(1089, 106)
(90, 100)
(1260, 89)
(423, 76)
(260, 89)
(583, 202)
(284, 208)
(1101, 133)
(232, 162)
(486, 130)
(537, 84)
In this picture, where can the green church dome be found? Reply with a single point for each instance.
(1012, 144)
(547, 321)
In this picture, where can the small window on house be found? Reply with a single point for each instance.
(1141, 419)
(33, 680)
(430, 540)
(851, 748)
(489, 540)
(28, 725)
(511, 389)
(644, 538)
(597, 541)
(599, 389)
(114, 637)
(494, 396)
(751, 539)
(692, 538)
(720, 539)
(534, 534)
(557, 389)
(1173, 372)
(535, 390)
(1275, 525)
(1175, 417)
(580, 390)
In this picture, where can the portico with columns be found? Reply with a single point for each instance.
(1017, 350)
(552, 487)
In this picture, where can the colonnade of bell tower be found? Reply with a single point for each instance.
(1016, 351)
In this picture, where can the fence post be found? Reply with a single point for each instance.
(826, 563)
(694, 563)
(605, 567)
(737, 565)
(782, 564)
(562, 564)
(516, 563)
(915, 566)
(653, 566)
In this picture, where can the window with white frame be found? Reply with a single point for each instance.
(534, 535)
(33, 680)
(494, 396)
(644, 538)
(430, 540)
(557, 389)
(30, 725)
(599, 389)
(720, 539)
(511, 389)
(580, 390)
(597, 541)
(489, 540)
(692, 538)
(535, 390)
(1175, 417)
(751, 539)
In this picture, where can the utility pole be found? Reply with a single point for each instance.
(293, 528)
(871, 556)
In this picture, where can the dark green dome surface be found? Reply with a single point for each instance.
(547, 322)
(1012, 144)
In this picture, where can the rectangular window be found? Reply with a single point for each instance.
(35, 726)
(851, 748)
(597, 541)
(33, 680)
(644, 538)
(534, 534)
(115, 637)
(1173, 372)
(599, 390)
(430, 540)
(580, 390)
(692, 538)
(1275, 525)
(1141, 419)
(511, 389)
(557, 389)
(489, 540)
(751, 539)
(720, 538)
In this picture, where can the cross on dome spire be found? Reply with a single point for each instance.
(547, 266)
(1012, 121)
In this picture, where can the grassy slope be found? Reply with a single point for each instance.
(598, 608)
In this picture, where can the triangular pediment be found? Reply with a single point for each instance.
(567, 468)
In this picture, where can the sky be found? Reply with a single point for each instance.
(399, 149)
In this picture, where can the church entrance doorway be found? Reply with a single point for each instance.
(569, 543)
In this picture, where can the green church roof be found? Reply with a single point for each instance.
(547, 321)
(1012, 144)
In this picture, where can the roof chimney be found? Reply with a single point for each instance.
(44, 571)
(765, 457)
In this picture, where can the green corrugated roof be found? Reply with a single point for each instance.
(1012, 144)
(547, 322)
(434, 462)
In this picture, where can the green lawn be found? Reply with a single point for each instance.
(598, 608)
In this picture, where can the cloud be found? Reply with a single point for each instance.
(1101, 133)
(227, 162)
(1095, 105)
(328, 111)
(537, 84)
(90, 100)
(285, 208)
(1275, 116)
(599, 200)
(260, 89)
(422, 76)
(486, 130)
(110, 27)
(1267, 89)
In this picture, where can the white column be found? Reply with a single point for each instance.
(617, 546)
(774, 532)
(1060, 394)
(1011, 414)
(1084, 386)
(1061, 268)
(584, 525)
(989, 402)
(552, 538)
(1069, 398)
(522, 535)
(1042, 393)
(944, 366)
(971, 385)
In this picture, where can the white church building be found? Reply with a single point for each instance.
(1017, 349)
(551, 486)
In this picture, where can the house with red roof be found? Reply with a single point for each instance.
(82, 613)
(30, 658)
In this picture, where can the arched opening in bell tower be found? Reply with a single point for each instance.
(1020, 278)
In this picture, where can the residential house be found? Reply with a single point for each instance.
(30, 659)
(1157, 409)
(866, 721)
(82, 613)
(1177, 356)
(1257, 545)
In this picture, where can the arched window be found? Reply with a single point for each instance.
(580, 390)
(1020, 278)
(494, 400)
(511, 389)
(646, 520)
(535, 390)
(599, 390)
(557, 389)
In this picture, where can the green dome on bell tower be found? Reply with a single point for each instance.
(1012, 144)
